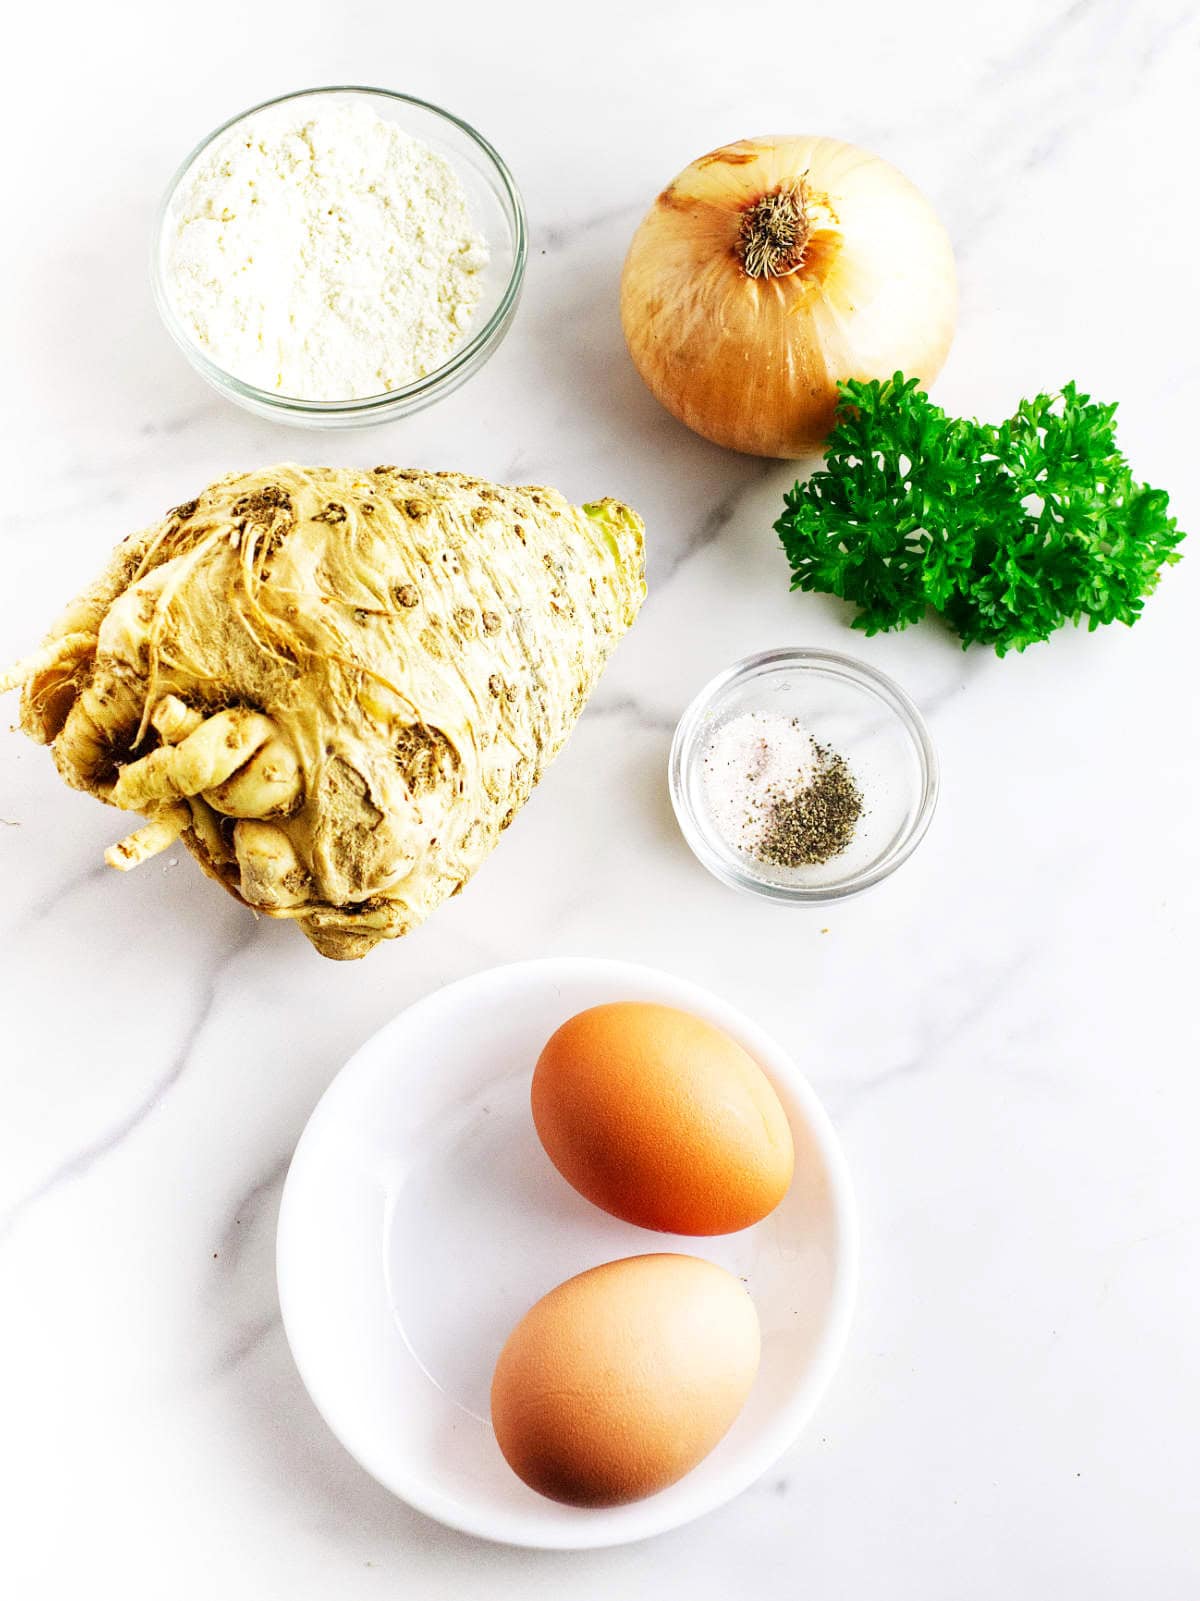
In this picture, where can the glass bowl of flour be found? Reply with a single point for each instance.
(340, 257)
(803, 776)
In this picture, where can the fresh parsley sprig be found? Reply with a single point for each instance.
(1008, 531)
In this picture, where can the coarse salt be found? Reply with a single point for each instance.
(749, 762)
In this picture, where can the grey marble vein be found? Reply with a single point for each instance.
(715, 521)
(246, 1342)
(1031, 51)
(45, 512)
(80, 1162)
(855, 1093)
(628, 706)
(969, 665)
(168, 427)
(51, 904)
(245, 1212)
(1039, 126)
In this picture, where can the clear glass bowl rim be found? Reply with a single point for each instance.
(802, 657)
(366, 404)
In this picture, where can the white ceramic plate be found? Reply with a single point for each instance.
(421, 1218)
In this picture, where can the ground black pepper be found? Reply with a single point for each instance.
(816, 823)
(777, 795)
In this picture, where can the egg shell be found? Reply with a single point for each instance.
(661, 1119)
(620, 1380)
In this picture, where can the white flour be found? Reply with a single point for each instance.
(324, 254)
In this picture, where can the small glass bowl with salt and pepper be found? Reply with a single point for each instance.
(802, 775)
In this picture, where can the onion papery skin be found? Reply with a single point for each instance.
(753, 363)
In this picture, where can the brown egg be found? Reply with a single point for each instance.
(620, 1380)
(662, 1119)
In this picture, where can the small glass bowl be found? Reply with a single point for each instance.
(496, 210)
(857, 712)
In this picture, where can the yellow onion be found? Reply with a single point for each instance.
(770, 271)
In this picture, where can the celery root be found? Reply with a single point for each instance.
(337, 687)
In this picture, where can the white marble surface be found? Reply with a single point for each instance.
(1005, 1033)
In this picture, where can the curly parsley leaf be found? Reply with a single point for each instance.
(1008, 531)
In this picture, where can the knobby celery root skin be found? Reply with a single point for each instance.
(337, 687)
